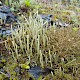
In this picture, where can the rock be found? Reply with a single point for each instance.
(3, 16)
(7, 17)
(37, 71)
(48, 18)
(4, 31)
(6, 14)
(8, 32)
(5, 9)
(60, 24)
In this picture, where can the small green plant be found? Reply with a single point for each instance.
(75, 29)
(28, 3)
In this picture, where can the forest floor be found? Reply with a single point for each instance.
(45, 44)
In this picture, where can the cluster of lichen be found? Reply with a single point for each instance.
(31, 44)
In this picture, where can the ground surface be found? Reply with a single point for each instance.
(45, 44)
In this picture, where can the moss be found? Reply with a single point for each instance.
(56, 48)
